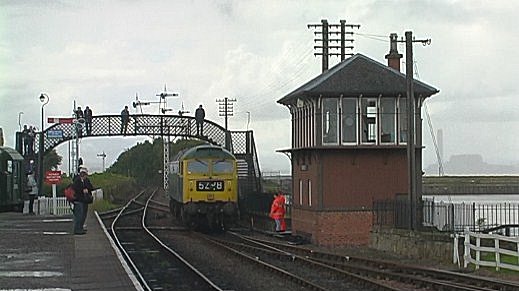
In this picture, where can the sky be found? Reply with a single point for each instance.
(104, 53)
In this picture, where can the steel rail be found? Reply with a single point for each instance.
(120, 246)
(178, 256)
(315, 264)
(437, 274)
(270, 267)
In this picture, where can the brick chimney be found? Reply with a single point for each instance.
(393, 57)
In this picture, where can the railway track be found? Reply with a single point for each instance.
(155, 264)
(153, 251)
(402, 276)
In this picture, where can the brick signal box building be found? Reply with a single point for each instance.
(349, 146)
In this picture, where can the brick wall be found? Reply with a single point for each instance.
(333, 228)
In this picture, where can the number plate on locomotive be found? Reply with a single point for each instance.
(209, 185)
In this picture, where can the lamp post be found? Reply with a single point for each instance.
(44, 99)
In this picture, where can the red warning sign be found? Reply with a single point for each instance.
(52, 177)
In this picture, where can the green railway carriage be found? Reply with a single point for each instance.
(12, 180)
(203, 187)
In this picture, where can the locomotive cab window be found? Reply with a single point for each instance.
(222, 167)
(198, 167)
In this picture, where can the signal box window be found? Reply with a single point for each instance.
(387, 120)
(349, 120)
(402, 110)
(330, 120)
(369, 120)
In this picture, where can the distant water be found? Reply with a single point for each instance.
(478, 199)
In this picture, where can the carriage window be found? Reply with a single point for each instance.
(330, 120)
(197, 167)
(387, 120)
(349, 120)
(223, 167)
(9, 166)
(173, 167)
(369, 120)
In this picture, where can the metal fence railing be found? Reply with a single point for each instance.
(500, 218)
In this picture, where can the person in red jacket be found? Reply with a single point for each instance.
(277, 211)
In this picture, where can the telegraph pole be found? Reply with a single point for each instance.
(414, 145)
(329, 34)
(225, 108)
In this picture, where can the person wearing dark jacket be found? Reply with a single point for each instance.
(199, 117)
(82, 188)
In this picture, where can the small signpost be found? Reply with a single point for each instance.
(57, 133)
(53, 178)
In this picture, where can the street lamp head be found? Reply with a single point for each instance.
(44, 97)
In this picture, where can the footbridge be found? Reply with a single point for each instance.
(240, 143)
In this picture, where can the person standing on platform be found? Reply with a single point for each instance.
(32, 190)
(277, 212)
(199, 117)
(82, 189)
(125, 118)
(88, 120)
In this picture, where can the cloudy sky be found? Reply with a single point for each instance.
(103, 53)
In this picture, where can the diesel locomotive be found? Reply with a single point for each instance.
(203, 187)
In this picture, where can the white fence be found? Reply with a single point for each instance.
(45, 205)
(498, 249)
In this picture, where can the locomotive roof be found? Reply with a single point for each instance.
(9, 153)
(207, 151)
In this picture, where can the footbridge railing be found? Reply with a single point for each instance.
(150, 125)
(240, 143)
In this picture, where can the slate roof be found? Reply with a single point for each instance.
(357, 75)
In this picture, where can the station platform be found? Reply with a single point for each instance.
(41, 253)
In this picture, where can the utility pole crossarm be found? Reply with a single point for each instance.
(225, 108)
(328, 30)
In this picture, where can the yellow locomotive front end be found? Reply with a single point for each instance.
(208, 192)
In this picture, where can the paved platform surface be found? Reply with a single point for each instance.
(41, 253)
